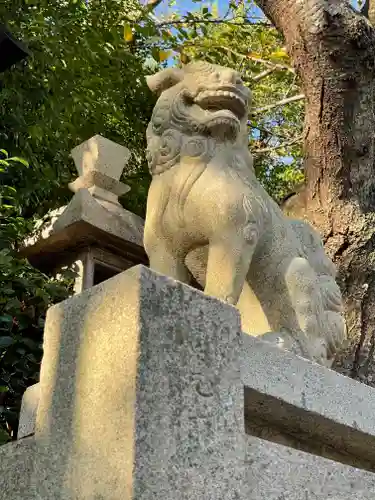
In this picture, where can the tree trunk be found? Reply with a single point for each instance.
(333, 51)
(368, 10)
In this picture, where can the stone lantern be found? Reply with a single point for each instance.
(93, 232)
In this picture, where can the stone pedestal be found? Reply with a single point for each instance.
(16, 470)
(141, 395)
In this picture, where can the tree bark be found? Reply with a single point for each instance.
(368, 10)
(333, 51)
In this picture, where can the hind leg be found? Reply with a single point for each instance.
(306, 300)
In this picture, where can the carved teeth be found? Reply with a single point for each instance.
(217, 93)
(211, 100)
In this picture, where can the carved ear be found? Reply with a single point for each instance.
(164, 79)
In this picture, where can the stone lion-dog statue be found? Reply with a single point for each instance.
(209, 217)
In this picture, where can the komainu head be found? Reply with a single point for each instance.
(199, 99)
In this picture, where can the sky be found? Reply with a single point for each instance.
(184, 6)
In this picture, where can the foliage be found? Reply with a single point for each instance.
(82, 79)
(25, 295)
(24, 298)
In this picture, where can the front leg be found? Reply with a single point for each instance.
(173, 265)
(163, 257)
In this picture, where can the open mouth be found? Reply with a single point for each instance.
(221, 100)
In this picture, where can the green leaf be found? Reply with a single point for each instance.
(4, 436)
(13, 303)
(6, 342)
(155, 53)
(31, 344)
(6, 318)
(19, 160)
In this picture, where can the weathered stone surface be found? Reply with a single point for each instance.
(16, 466)
(100, 163)
(30, 401)
(98, 179)
(100, 155)
(141, 395)
(84, 207)
(323, 266)
(204, 189)
(275, 472)
(332, 414)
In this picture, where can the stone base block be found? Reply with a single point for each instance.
(16, 469)
(275, 472)
(29, 407)
(140, 395)
(294, 401)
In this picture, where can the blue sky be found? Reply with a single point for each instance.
(184, 6)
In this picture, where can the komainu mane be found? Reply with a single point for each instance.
(210, 218)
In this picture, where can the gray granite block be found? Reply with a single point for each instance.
(29, 406)
(275, 472)
(16, 467)
(308, 402)
(141, 395)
